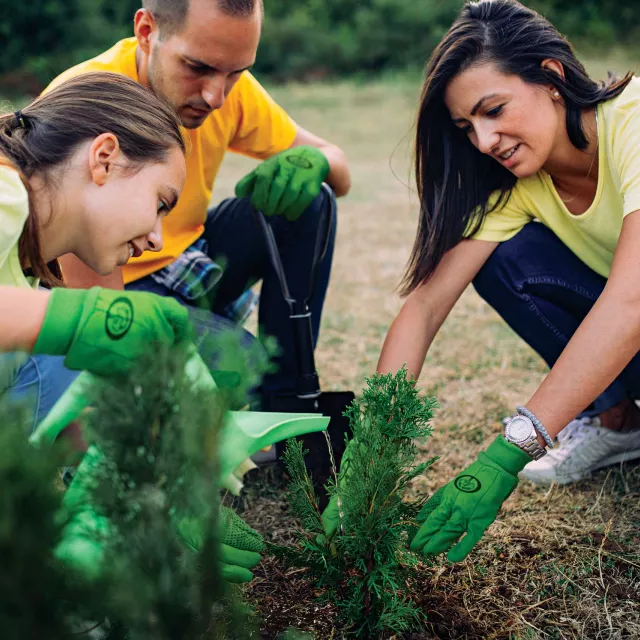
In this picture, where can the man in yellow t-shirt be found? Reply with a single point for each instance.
(197, 55)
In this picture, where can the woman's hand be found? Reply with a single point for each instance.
(240, 545)
(470, 502)
(105, 331)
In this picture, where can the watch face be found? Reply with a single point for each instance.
(519, 429)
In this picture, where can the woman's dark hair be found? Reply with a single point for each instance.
(46, 133)
(454, 179)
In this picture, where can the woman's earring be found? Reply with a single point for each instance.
(556, 95)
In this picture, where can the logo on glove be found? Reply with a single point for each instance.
(467, 484)
(119, 318)
(299, 162)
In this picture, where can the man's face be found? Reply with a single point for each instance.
(195, 68)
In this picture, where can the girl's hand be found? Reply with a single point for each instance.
(105, 331)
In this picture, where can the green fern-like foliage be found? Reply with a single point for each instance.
(364, 566)
(39, 598)
(158, 436)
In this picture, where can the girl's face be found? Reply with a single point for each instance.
(518, 124)
(123, 206)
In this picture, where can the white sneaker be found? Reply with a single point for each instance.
(584, 445)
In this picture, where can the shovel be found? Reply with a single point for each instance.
(308, 397)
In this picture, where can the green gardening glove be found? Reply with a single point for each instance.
(105, 331)
(240, 544)
(469, 503)
(241, 547)
(86, 532)
(287, 183)
(331, 515)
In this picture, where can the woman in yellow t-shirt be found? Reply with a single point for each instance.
(528, 173)
(89, 169)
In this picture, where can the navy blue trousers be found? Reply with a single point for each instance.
(543, 291)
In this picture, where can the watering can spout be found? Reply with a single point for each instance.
(243, 433)
(247, 432)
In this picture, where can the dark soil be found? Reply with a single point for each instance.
(536, 575)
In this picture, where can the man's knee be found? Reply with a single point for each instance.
(512, 261)
(322, 206)
(326, 197)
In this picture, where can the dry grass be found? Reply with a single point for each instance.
(559, 562)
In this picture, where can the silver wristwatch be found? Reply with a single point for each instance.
(520, 431)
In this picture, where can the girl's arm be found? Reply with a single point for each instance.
(21, 316)
(426, 308)
(605, 342)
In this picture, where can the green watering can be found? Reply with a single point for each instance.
(243, 434)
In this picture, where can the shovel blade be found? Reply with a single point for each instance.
(331, 404)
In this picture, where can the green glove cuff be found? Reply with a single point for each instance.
(56, 334)
(507, 455)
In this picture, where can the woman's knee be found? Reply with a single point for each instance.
(512, 262)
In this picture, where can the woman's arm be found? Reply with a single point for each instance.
(605, 342)
(21, 316)
(426, 308)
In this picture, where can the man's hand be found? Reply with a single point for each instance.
(105, 331)
(287, 183)
(469, 503)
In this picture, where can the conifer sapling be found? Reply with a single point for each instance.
(360, 554)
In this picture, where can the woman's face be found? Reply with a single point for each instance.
(124, 208)
(516, 123)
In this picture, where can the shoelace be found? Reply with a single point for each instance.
(578, 427)
(577, 430)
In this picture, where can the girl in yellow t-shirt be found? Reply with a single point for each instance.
(528, 174)
(89, 169)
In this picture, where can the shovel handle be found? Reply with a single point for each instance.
(299, 312)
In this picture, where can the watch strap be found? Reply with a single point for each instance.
(533, 448)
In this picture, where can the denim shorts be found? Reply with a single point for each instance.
(40, 381)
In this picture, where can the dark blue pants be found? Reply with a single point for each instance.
(543, 292)
(235, 239)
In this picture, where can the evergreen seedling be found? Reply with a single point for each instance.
(364, 564)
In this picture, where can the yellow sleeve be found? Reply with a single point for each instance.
(14, 209)
(505, 221)
(263, 127)
(625, 153)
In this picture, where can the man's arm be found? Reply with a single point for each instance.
(339, 178)
(77, 275)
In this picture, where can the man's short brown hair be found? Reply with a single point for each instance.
(171, 15)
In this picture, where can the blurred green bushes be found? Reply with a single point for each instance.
(41, 38)
(307, 40)
(320, 37)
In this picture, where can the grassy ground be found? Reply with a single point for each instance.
(558, 562)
